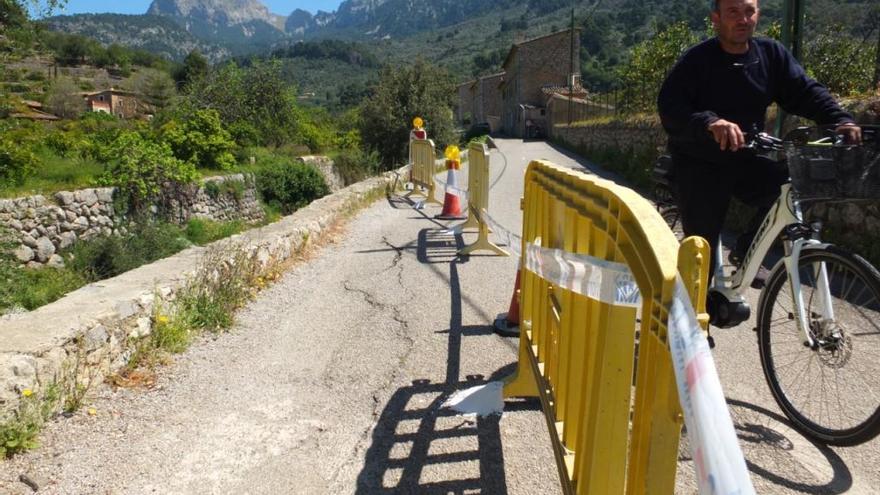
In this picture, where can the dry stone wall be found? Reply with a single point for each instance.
(41, 227)
(637, 134)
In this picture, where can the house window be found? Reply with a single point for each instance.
(101, 98)
(543, 112)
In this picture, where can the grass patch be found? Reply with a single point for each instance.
(56, 173)
(19, 432)
(200, 231)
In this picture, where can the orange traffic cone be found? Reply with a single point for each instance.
(507, 324)
(451, 201)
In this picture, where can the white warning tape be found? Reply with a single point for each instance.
(605, 281)
(461, 193)
(718, 459)
(513, 241)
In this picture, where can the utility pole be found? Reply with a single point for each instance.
(876, 85)
(793, 38)
(571, 67)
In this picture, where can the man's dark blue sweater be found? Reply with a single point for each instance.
(708, 83)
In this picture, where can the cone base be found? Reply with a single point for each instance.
(449, 217)
(505, 328)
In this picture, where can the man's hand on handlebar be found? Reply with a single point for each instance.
(727, 134)
(852, 133)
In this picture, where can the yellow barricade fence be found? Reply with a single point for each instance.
(608, 392)
(422, 175)
(478, 201)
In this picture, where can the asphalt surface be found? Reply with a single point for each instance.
(333, 380)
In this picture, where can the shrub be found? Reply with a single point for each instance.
(356, 165)
(17, 162)
(201, 140)
(142, 168)
(289, 185)
(108, 256)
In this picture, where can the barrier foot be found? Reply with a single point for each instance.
(485, 244)
(469, 224)
(522, 382)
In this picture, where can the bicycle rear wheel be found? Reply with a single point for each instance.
(830, 392)
(672, 217)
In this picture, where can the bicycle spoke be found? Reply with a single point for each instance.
(827, 390)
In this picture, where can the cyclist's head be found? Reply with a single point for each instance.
(735, 22)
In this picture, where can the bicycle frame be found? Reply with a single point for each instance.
(785, 211)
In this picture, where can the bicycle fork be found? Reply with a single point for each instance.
(824, 308)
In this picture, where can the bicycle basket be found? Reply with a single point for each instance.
(825, 171)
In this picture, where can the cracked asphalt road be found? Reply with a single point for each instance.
(333, 379)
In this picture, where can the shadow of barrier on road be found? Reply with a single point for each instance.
(439, 246)
(420, 447)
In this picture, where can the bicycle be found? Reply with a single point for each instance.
(818, 315)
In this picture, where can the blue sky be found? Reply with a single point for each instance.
(283, 7)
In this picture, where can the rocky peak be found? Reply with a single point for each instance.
(217, 12)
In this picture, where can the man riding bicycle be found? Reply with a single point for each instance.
(718, 90)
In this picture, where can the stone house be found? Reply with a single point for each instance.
(530, 66)
(487, 104)
(123, 104)
(465, 111)
(480, 101)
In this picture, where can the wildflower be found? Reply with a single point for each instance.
(27, 392)
(162, 319)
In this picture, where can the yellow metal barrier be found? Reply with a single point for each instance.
(422, 175)
(612, 433)
(478, 200)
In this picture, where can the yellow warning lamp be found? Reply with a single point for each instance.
(418, 123)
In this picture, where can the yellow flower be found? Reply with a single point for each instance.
(162, 319)
(27, 392)
(92, 411)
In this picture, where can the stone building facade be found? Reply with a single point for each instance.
(123, 104)
(465, 111)
(530, 66)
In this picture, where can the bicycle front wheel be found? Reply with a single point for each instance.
(830, 391)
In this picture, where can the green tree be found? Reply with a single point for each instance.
(141, 168)
(195, 67)
(63, 99)
(254, 101)
(12, 15)
(201, 140)
(156, 86)
(401, 94)
(844, 64)
(649, 63)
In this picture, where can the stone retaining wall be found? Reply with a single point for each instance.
(636, 134)
(91, 332)
(327, 168)
(41, 226)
